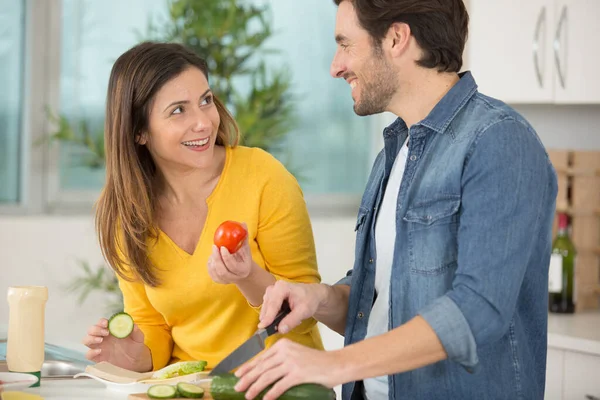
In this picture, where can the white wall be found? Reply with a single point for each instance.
(572, 127)
(565, 127)
(43, 250)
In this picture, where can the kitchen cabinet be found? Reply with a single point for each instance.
(581, 375)
(577, 52)
(509, 49)
(536, 52)
(571, 375)
(573, 360)
(554, 374)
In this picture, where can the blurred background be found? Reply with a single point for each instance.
(270, 61)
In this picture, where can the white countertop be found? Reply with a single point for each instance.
(75, 389)
(576, 332)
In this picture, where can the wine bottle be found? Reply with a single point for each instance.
(561, 274)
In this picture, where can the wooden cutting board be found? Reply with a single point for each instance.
(112, 373)
(203, 385)
(144, 396)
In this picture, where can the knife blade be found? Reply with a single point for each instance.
(252, 346)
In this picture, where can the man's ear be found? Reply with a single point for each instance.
(398, 38)
(141, 138)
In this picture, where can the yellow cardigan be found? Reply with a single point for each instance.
(189, 317)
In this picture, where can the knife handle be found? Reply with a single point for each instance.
(283, 312)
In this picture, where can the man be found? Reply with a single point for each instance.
(448, 295)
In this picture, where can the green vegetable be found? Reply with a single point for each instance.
(179, 369)
(191, 367)
(221, 388)
(190, 391)
(162, 392)
(120, 325)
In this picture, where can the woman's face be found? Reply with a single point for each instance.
(183, 124)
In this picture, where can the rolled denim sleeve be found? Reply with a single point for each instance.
(347, 280)
(453, 330)
(509, 188)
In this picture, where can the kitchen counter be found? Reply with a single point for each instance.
(75, 389)
(576, 332)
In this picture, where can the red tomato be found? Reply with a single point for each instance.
(230, 234)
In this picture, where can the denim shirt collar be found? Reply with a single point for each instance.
(446, 109)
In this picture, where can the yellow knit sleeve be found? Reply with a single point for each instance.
(284, 235)
(157, 334)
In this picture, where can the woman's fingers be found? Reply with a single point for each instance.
(92, 341)
(93, 355)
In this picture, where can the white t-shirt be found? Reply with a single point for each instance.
(385, 237)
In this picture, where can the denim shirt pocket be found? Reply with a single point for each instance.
(432, 227)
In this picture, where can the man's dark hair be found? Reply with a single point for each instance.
(440, 27)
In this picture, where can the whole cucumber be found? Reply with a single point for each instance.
(222, 388)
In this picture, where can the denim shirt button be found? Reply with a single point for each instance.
(413, 157)
(370, 261)
(360, 315)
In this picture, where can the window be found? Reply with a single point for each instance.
(93, 35)
(331, 145)
(58, 54)
(12, 23)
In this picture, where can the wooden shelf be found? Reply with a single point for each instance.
(578, 212)
(579, 197)
(578, 172)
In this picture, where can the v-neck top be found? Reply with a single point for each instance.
(190, 317)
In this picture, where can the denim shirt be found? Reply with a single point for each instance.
(472, 249)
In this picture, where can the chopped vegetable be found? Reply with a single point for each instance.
(162, 392)
(179, 369)
(120, 325)
(190, 391)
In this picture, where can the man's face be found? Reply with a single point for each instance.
(363, 65)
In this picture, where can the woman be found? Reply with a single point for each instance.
(174, 173)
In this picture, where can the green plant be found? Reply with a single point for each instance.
(100, 280)
(79, 135)
(230, 35)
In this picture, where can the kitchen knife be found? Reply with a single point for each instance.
(252, 346)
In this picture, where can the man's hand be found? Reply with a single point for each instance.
(304, 300)
(289, 364)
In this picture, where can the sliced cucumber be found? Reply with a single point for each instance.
(120, 325)
(190, 391)
(162, 392)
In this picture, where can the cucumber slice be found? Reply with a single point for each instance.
(120, 325)
(162, 392)
(190, 391)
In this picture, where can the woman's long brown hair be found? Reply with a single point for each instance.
(126, 209)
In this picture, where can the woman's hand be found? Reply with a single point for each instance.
(130, 353)
(226, 268)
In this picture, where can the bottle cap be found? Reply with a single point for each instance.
(563, 221)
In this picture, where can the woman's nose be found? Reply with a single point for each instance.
(201, 121)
